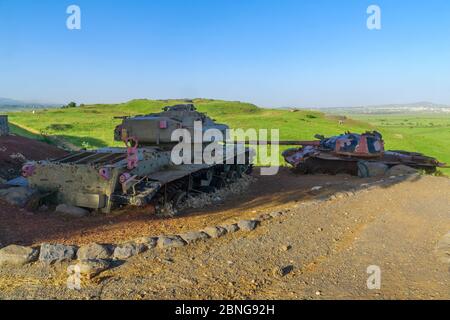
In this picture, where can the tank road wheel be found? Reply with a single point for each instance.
(316, 166)
(301, 168)
(227, 168)
(179, 200)
(241, 169)
(207, 177)
(232, 176)
(219, 182)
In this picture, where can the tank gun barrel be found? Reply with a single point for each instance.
(282, 143)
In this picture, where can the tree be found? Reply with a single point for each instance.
(70, 105)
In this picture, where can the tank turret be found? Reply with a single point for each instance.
(157, 128)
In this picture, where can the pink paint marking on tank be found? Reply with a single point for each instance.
(362, 147)
(105, 173)
(163, 124)
(341, 143)
(28, 170)
(124, 177)
(132, 152)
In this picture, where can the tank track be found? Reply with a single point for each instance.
(171, 197)
(322, 166)
(334, 167)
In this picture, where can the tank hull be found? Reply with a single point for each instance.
(103, 179)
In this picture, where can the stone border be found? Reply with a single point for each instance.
(95, 258)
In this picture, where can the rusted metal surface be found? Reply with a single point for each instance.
(280, 143)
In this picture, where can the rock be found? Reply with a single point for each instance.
(286, 247)
(127, 250)
(365, 185)
(168, 261)
(149, 242)
(18, 255)
(170, 242)
(282, 271)
(72, 211)
(371, 169)
(52, 253)
(215, 232)
(94, 251)
(276, 214)
(192, 237)
(17, 196)
(265, 217)
(92, 267)
(340, 195)
(400, 170)
(247, 225)
(231, 227)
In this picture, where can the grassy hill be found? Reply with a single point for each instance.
(92, 126)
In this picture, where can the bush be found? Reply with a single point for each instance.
(70, 105)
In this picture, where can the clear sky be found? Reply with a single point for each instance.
(312, 53)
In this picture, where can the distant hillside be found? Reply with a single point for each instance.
(9, 105)
(92, 126)
(418, 107)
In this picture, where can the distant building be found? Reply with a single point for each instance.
(4, 127)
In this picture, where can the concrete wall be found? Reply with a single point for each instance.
(4, 127)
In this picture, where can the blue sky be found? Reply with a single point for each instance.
(273, 53)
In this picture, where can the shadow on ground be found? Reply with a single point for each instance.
(268, 194)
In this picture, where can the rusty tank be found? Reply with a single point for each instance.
(361, 155)
(143, 171)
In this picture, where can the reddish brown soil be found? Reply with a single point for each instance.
(29, 148)
(268, 193)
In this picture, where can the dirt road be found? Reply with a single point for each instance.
(323, 247)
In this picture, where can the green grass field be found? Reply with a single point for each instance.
(92, 126)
